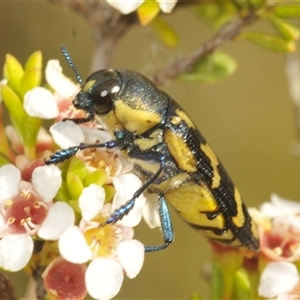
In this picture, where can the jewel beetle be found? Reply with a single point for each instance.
(169, 154)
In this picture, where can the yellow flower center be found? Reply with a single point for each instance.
(103, 239)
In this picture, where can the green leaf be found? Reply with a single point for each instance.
(6, 153)
(75, 186)
(5, 72)
(3, 161)
(196, 296)
(30, 129)
(288, 11)
(109, 193)
(211, 68)
(147, 11)
(76, 174)
(31, 79)
(257, 3)
(96, 177)
(63, 192)
(217, 283)
(164, 32)
(216, 13)
(271, 42)
(287, 30)
(34, 61)
(242, 285)
(75, 206)
(14, 106)
(27, 127)
(14, 72)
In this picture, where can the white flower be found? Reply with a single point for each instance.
(15, 251)
(62, 85)
(110, 248)
(278, 207)
(112, 252)
(150, 211)
(26, 209)
(104, 277)
(128, 6)
(40, 102)
(166, 5)
(279, 220)
(125, 6)
(91, 201)
(126, 185)
(278, 278)
(68, 134)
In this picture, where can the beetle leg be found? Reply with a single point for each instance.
(62, 155)
(166, 226)
(89, 118)
(122, 211)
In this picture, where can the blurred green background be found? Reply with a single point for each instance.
(248, 118)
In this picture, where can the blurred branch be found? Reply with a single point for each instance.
(107, 26)
(6, 290)
(185, 64)
(39, 283)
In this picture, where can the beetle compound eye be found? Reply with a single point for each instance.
(103, 95)
(99, 91)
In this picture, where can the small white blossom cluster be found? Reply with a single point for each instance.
(27, 210)
(279, 220)
(31, 206)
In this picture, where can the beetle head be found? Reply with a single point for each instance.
(98, 92)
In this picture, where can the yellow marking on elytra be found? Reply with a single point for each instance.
(184, 117)
(89, 84)
(135, 120)
(239, 219)
(214, 163)
(146, 144)
(180, 151)
(192, 202)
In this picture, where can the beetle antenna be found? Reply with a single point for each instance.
(70, 62)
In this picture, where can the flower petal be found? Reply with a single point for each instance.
(10, 177)
(150, 211)
(91, 201)
(287, 206)
(166, 5)
(15, 251)
(279, 207)
(66, 134)
(126, 185)
(277, 278)
(125, 6)
(40, 102)
(131, 255)
(73, 246)
(47, 180)
(104, 278)
(3, 228)
(60, 217)
(65, 87)
(92, 134)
